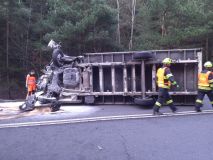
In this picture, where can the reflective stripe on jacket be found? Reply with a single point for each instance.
(162, 79)
(203, 81)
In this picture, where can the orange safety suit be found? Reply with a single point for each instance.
(31, 83)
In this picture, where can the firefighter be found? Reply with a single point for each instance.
(31, 83)
(164, 81)
(205, 85)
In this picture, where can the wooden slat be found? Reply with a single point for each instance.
(143, 83)
(101, 79)
(184, 77)
(125, 79)
(133, 79)
(113, 78)
(91, 79)
(154, 78)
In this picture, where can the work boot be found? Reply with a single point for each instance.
(174, 109)
(197, 109)
(156, 111)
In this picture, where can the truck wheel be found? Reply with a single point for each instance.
(71, 77)
(23, 107)
(144, 102)
(143, 55)
(55, 106)
(89, 99)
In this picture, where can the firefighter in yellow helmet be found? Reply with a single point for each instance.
(164, 81)
(205, 85)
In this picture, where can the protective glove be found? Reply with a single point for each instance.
(175, 84)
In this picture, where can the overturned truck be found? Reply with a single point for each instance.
(119, 78)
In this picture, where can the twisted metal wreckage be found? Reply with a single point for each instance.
(114, 78)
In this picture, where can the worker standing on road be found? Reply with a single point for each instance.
(205, 85)
(31, 83)
(164, 81)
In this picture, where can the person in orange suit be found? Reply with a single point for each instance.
(31, 83)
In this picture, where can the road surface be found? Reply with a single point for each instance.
(130, 132)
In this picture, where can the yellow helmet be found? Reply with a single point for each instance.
(208, 64)
(167, 61)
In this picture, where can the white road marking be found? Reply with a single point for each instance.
(105, 118)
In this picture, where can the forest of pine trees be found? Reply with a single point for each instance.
(26, 26)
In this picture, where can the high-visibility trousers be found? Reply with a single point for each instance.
(200, 96)
(164, 96)
(31, 88)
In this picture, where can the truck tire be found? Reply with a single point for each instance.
(143, 55)
(89, 99)
(24, 107)
(55, 106)
(71, 77)
(147, 102)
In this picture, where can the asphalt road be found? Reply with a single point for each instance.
(176, 138)
(187, 137)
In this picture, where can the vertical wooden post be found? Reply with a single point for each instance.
(133, 79)
(199, 58)
(113, 78)
(143, 83)
(184, 72)
(91, 79)
(154, 78)
(101, 79)
(125, 79)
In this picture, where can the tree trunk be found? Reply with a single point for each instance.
(40, 53)
(94, 42)
(28, 30)
(163, 26)
(132, 23)
(118, 27)
(7, 55)
(207, 49)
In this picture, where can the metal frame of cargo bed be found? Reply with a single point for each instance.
(116, 77)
